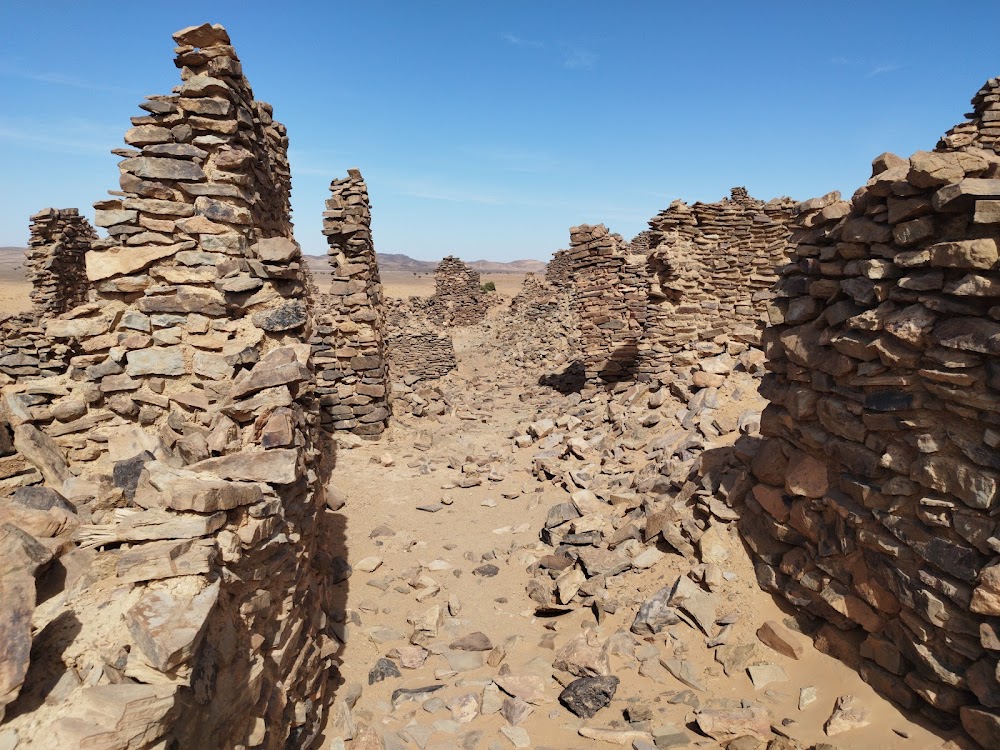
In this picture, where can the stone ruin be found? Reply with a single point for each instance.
(876, 490)
(55, 267)
(166, 552)
(652, 308)
(59, 240)
(416, 348)
(349, 347)
(609, 292)
(559, 270)
(458, 299)
(711, 268)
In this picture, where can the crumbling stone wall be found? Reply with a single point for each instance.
(417, 349)
(458, 297)
(349, 348)
(711, 268)
(170, 508)
(559, 270)
(609, 292)
(55, 267)
(877, 487)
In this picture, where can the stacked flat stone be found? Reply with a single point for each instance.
(877, 491)
(418, 349)
(458, 297)
(539, 326)
(609, 293)
(60, 238)
(640, 243)
(349, 342)
(175, 471)
(559, 270)
(711, 267)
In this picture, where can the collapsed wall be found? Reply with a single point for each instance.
(876, 490)
(349, 348)
(458, 297)
(711, 267)
(609, 293)
(166, 559)
(55, 267)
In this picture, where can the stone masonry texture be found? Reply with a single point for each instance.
(878, 484)
(167, 493)
(54, 262)
(349, 348)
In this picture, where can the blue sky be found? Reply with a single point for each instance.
(488, 129)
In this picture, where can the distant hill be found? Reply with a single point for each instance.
(400, 262)
(386, 261)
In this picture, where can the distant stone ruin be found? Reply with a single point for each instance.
(458, 297)
(711, 268)
(609, 289)
(417, 349)
(349, 348)
(559, 270)
(167, 498)
(55, 267)
(651, 309)
(55, 260)
(876, 492)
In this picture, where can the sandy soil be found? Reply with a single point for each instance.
(385, 482)
(14, 289)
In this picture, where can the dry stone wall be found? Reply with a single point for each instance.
(610, 293)
(166, 553)
(349, 348)
(877, 487)
(559, 270)
(711, 268)
(60, 238)
(417, 349)
(458, 299)
(55, 267)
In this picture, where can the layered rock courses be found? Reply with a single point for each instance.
(877, 487)
(54, 265)
(167, 500)
(349, 348)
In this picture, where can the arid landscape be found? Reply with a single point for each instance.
(730, 482)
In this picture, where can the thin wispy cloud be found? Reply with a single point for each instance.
(871, 68)
(71, 137)
(578, 58)
(520, 41)
(882, 69)
(570, 56)
(60, 79)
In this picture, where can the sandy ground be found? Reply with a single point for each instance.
(14, 289)
(502, 519)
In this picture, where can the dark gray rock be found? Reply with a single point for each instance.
(383, 670)
(588, 695)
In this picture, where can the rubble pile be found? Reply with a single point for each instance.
(166, 551)
(349, 348)
(875, 494)
(55, 267)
